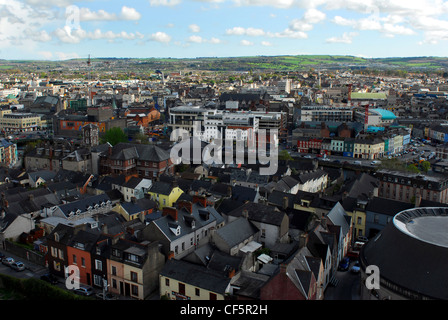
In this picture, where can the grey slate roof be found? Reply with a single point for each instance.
(260, 213)
(195, 275)
(337, 217)
(144, 152)
(237, 231)
(202, 216)
(83, 204)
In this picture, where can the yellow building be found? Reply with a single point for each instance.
(181, 280)
(164, 193)
(19, 122)
(368, 149)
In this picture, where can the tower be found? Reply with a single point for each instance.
(90, 135)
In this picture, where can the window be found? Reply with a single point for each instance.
(213, 296)
(134, 289)
(83, 262)
(74, 259)
(114, 270)
(197, 292)
(167, 282)
(99, 265)
(181, 288)
(359, 220)
(134, 276)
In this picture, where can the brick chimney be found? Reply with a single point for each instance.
(170, 255)
(185, 204)
(200, 199)
(170, 211)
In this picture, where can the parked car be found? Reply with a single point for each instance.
(49, 278)
(84, 291)
(109, 296)
(18, 265)
(8, 261)
(355, 268)
(344, 264)
(362, 239)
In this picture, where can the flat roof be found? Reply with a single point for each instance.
(425, 224)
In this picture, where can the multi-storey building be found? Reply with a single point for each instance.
(326, 113)
(148, 161)
(8, 152)
(406, 186)
(19, 122)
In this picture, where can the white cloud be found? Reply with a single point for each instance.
(160, 37)
(314, 16)
(284, 4)
(246, 43)
(215, 41)
(386, 25)
(194, 28)
(266, 43)
(196, 39)
(74, 36)
(239, 31)
(347, 38)
(85, 14)
(130, 14)
(167, 3)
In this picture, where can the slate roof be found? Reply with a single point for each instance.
(202, 217)
(387, 206)
(195, 275)
(160, 187)
(337, 216)
(260, 213)
(237, 231)
(83, 204)
(144, 152)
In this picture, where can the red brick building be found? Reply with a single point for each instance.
(147, 161)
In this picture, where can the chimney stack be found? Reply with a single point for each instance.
(285, 203)
(170, 211)
(187, 205)
(201, 199)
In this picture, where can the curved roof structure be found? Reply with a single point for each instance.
(411, 253)
(385, 114)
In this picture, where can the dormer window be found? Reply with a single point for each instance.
(175, 229)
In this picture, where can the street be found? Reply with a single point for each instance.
(347, 288)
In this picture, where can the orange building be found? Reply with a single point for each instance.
(143, 117)
(78, 254)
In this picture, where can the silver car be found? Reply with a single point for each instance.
(8, 261)
(18, 266)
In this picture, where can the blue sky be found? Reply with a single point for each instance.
(63, 29)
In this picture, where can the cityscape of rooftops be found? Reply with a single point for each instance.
(237, 151)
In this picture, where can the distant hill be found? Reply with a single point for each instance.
(252, 63)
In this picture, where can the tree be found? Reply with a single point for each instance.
(425, 165)
(114, 136)
(284, 155)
